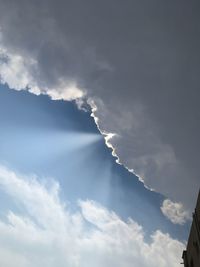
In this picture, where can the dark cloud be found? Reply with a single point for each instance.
(138, 60)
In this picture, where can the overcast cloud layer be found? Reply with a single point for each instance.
(138, 62)
(46, 233)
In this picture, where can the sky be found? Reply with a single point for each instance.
(99, 132)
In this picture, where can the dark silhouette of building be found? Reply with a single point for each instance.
(191, 256)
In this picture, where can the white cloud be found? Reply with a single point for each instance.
(65, 91)
(20, 73)
(14, 71)
(48, 234)
(175, 211)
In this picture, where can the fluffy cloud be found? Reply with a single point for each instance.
(46, 233)
(139, 66)
(175, 212)
(18, 73)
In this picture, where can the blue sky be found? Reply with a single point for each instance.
(54, 139)
(56, 142)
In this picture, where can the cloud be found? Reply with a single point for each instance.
(138, 66)
(14, 70)
(175, 212)
(18, 73)
(47, 233)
